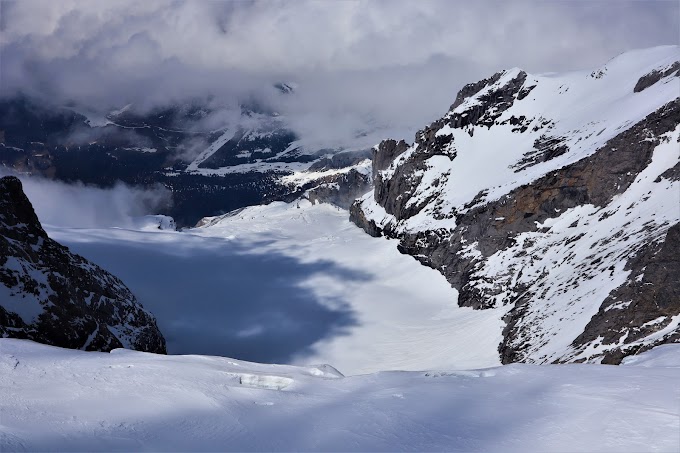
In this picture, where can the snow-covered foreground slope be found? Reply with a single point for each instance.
(55, 399)
(282, 283)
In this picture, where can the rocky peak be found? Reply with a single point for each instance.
(50, 295)
(492, 97)
(385, 153)
(17, 217)
(473, 88)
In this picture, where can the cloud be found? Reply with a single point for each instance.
(81, 206)
(387, 66)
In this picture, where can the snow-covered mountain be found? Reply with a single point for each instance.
(553, 198)
(53, 296)
(63, 400)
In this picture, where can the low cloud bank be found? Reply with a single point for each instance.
(366, 70)
(81, 206)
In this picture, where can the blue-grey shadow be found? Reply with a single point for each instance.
(217, 297)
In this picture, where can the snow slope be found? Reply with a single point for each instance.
(282, 283)
(55, 399)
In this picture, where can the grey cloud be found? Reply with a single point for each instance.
(384, 66)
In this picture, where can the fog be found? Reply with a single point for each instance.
(82, 206)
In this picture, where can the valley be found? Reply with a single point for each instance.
(340, 226)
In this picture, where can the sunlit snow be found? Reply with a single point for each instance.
(54, 399)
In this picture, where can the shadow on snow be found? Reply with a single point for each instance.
(217, 297)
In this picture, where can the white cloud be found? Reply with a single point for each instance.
(81, 206)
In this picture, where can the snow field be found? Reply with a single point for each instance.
(54, 399)
(277, 274)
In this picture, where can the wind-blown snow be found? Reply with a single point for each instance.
(294, 283)
(54, 399)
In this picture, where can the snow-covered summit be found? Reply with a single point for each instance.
(518, 127)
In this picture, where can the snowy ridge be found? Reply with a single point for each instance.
(581, 110)
(301, 178)
(201, 403)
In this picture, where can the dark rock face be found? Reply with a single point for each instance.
(473, 88)
(645, 304)
(653, 77)
(395, 194)
(52, 296)
(491, 105)
(505, 224)
(358, 216)
(385, 153)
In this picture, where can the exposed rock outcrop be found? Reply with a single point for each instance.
(644, 305)
(50, 295)
(340, 190)
(385, 153)
(656, 75)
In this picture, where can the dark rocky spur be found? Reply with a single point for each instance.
(52, 296)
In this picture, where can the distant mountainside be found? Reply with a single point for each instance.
(553, 197)
(213, 160)
(50, 295)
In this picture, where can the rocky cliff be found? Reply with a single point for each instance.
(50, 295)
(553, 199)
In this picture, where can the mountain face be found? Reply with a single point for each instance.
(213, 159)
(49, 295)
(555, 198)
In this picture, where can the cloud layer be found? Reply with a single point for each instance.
(389, 66)
(81, 206)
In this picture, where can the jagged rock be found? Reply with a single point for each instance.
(358, 216)
(50, 295)
(644, 305)
(340, 190)
(490, 105)
(473, 88)
(385, 153)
